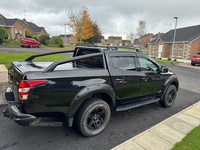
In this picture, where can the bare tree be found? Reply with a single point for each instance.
(131, 37)
(141, 29)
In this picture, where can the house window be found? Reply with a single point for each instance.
(16, 31)
(20, 31)
(153, 48)
(180, 50)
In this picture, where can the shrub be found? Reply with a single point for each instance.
(27, 34)
(44, 39)
(3, 34)
(56, 41)
(35, 37)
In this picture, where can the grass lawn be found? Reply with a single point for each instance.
(166, 61)
(190, 142)
(7, 58)
(12, 43)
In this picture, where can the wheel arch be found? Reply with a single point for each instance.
(170, 81)
(103, 91)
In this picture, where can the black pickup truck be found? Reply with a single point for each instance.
(86, 88)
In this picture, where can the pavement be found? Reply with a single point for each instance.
(162, 136)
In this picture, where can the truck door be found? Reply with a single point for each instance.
(124, 75)
(150, 77)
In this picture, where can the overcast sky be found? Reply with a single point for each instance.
(115, 17)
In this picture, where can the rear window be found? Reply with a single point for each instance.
(24, 39)
(91, 62)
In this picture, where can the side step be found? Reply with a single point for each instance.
(136, 104)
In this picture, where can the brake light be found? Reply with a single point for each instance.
(25, 86)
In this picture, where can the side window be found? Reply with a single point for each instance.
(124, 62)
(147, 65)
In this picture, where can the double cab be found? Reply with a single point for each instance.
(85, 88)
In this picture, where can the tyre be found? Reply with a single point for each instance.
(169, 97)
(193, 64)
(92, 117)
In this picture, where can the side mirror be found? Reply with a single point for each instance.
(164, 69)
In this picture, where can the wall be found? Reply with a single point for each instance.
(17, 26)
(195, 48)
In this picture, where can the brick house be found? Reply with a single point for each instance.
(187, 44)
(70, 39)
(114, 41)
(33, 29)
(16, 28)
(126, 42)
(143, 40)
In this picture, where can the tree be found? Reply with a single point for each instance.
(97, 33)
(87, 30)
(141, 31)
(131, 37)
(3, 34)
(43, 39)
(80, 24)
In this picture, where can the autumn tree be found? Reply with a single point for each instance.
(80, 24)
(97, 34)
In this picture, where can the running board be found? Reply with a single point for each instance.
(136, 104)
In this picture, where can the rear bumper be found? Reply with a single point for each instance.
(13, 111)
(195, 62)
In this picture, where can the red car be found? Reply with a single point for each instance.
(195, 59)
(29, 42)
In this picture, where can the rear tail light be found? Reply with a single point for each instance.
(25, 86)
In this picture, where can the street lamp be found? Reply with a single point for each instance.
(65, 34)
(174, 39)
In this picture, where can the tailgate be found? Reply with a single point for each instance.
(17, 70)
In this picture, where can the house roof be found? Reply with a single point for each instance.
(7, 22)
(33, 27)
(155, 38)
(186, 34)
(67, 35)
(10, 22)
(115, 37)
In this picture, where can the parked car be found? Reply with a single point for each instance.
(195, 59)
(86, 88)
(29, 42)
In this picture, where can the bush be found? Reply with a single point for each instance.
(35, 37)
(3, 34)
(44, 39)
(57, 41)
(27, 34)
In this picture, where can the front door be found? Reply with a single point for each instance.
(160, 49)
(150, 77)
